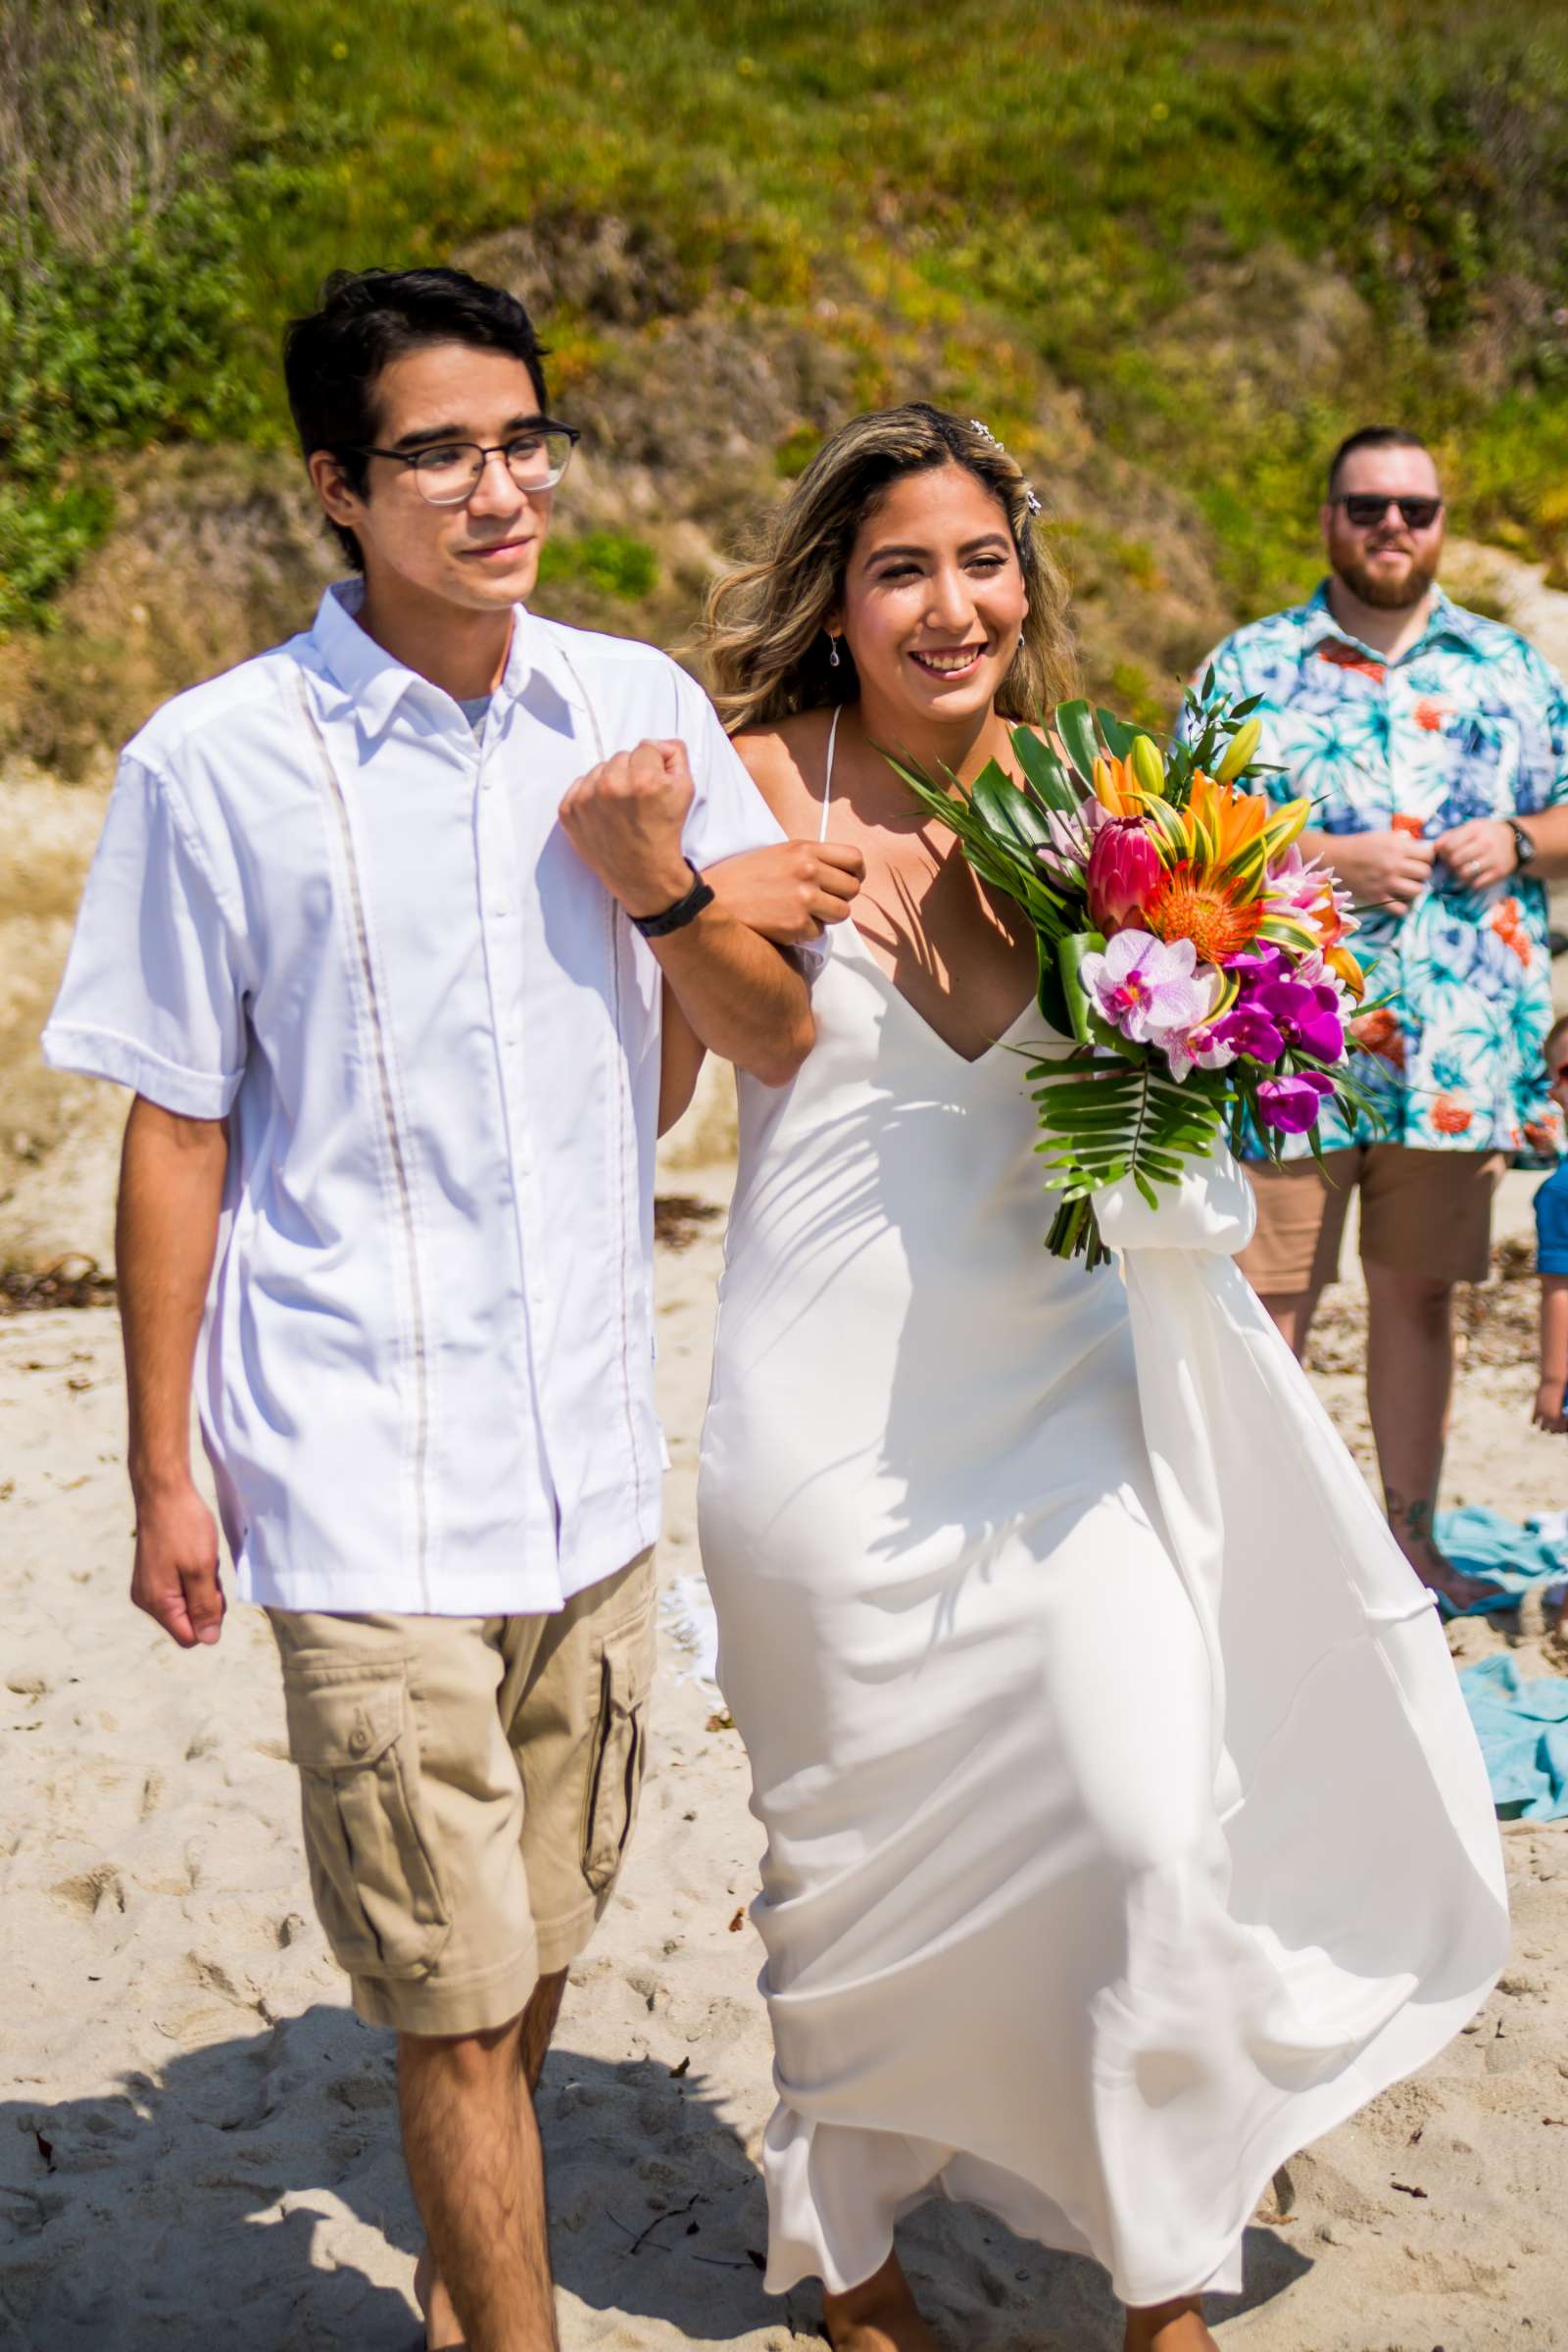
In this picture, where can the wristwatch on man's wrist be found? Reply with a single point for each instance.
(685, 910)
(1524, 849)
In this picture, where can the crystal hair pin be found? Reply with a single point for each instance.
(976, 424)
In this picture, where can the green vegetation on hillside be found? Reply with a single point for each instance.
(1234, 229)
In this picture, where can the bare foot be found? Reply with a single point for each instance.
(442, 2333)
(1453, 1585)
(880, 2316)
(1450, 1584)
(1170, 2327)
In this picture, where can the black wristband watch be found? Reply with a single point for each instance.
(1524, 849)
(684, 910)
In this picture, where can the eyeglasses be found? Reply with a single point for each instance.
(1364, 508)
(448, 473)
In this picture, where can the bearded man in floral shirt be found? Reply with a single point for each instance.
(1434, 747)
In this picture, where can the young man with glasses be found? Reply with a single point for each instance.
(1434, 746)
(387, 931)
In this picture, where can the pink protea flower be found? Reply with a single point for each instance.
(1124, 871)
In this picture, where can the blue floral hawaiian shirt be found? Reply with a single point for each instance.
(1470, 722)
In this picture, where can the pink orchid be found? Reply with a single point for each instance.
(1203, 1047)
(1147, 989)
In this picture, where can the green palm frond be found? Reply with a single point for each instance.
(1001, 829)
(1104, 1120)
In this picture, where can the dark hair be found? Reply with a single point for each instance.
(1372, 436)
(365, 320)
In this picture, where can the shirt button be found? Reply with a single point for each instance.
(359, 1739)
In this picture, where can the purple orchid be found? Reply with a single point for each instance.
(1144, 988)
(1257, 964)
(1292, 1103)
(1246, 1029)
(1302, 1016)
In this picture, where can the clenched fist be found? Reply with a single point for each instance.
(624, 818)
(790, 893)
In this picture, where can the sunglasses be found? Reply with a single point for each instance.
(1364, 508)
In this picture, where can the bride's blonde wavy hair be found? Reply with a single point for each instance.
(764, 632)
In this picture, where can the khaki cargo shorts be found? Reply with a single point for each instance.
(468, 1788)
(1422, 1212)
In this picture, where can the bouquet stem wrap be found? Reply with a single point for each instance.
(1298, 1583)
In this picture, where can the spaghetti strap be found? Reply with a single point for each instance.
(827, 778)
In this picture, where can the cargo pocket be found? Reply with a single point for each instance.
(625, 1671)
(376, 1887)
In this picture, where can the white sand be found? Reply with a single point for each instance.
(197, 2141)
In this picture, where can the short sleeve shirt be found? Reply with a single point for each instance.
(1551, 1223)
(1470, 722)
(326, 909)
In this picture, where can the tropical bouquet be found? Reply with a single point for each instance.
(1199, 961)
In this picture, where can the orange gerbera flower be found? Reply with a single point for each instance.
(1214, 914)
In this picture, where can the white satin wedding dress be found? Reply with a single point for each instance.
(1125, 1827)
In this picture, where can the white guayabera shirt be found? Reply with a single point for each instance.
(323, 909)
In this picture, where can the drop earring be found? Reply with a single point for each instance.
(833, 656)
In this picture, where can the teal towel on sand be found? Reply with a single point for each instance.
(1483, 1543)
(1522, 1725)
(1522, 1729)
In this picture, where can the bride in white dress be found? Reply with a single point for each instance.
(1122, 1837)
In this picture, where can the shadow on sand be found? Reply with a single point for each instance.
(251, 2195)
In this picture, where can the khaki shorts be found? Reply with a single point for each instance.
(468, 1787)
(1422, 1212)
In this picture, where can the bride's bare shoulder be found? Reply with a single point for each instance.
(785, 761)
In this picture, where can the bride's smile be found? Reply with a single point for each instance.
(954, 664)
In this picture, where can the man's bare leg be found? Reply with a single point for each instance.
(1409, 1378)
(473, 2155)
(879, 2314)
(1170, 2327)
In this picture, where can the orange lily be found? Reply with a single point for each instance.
(1118, 789)
(1224, 831)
